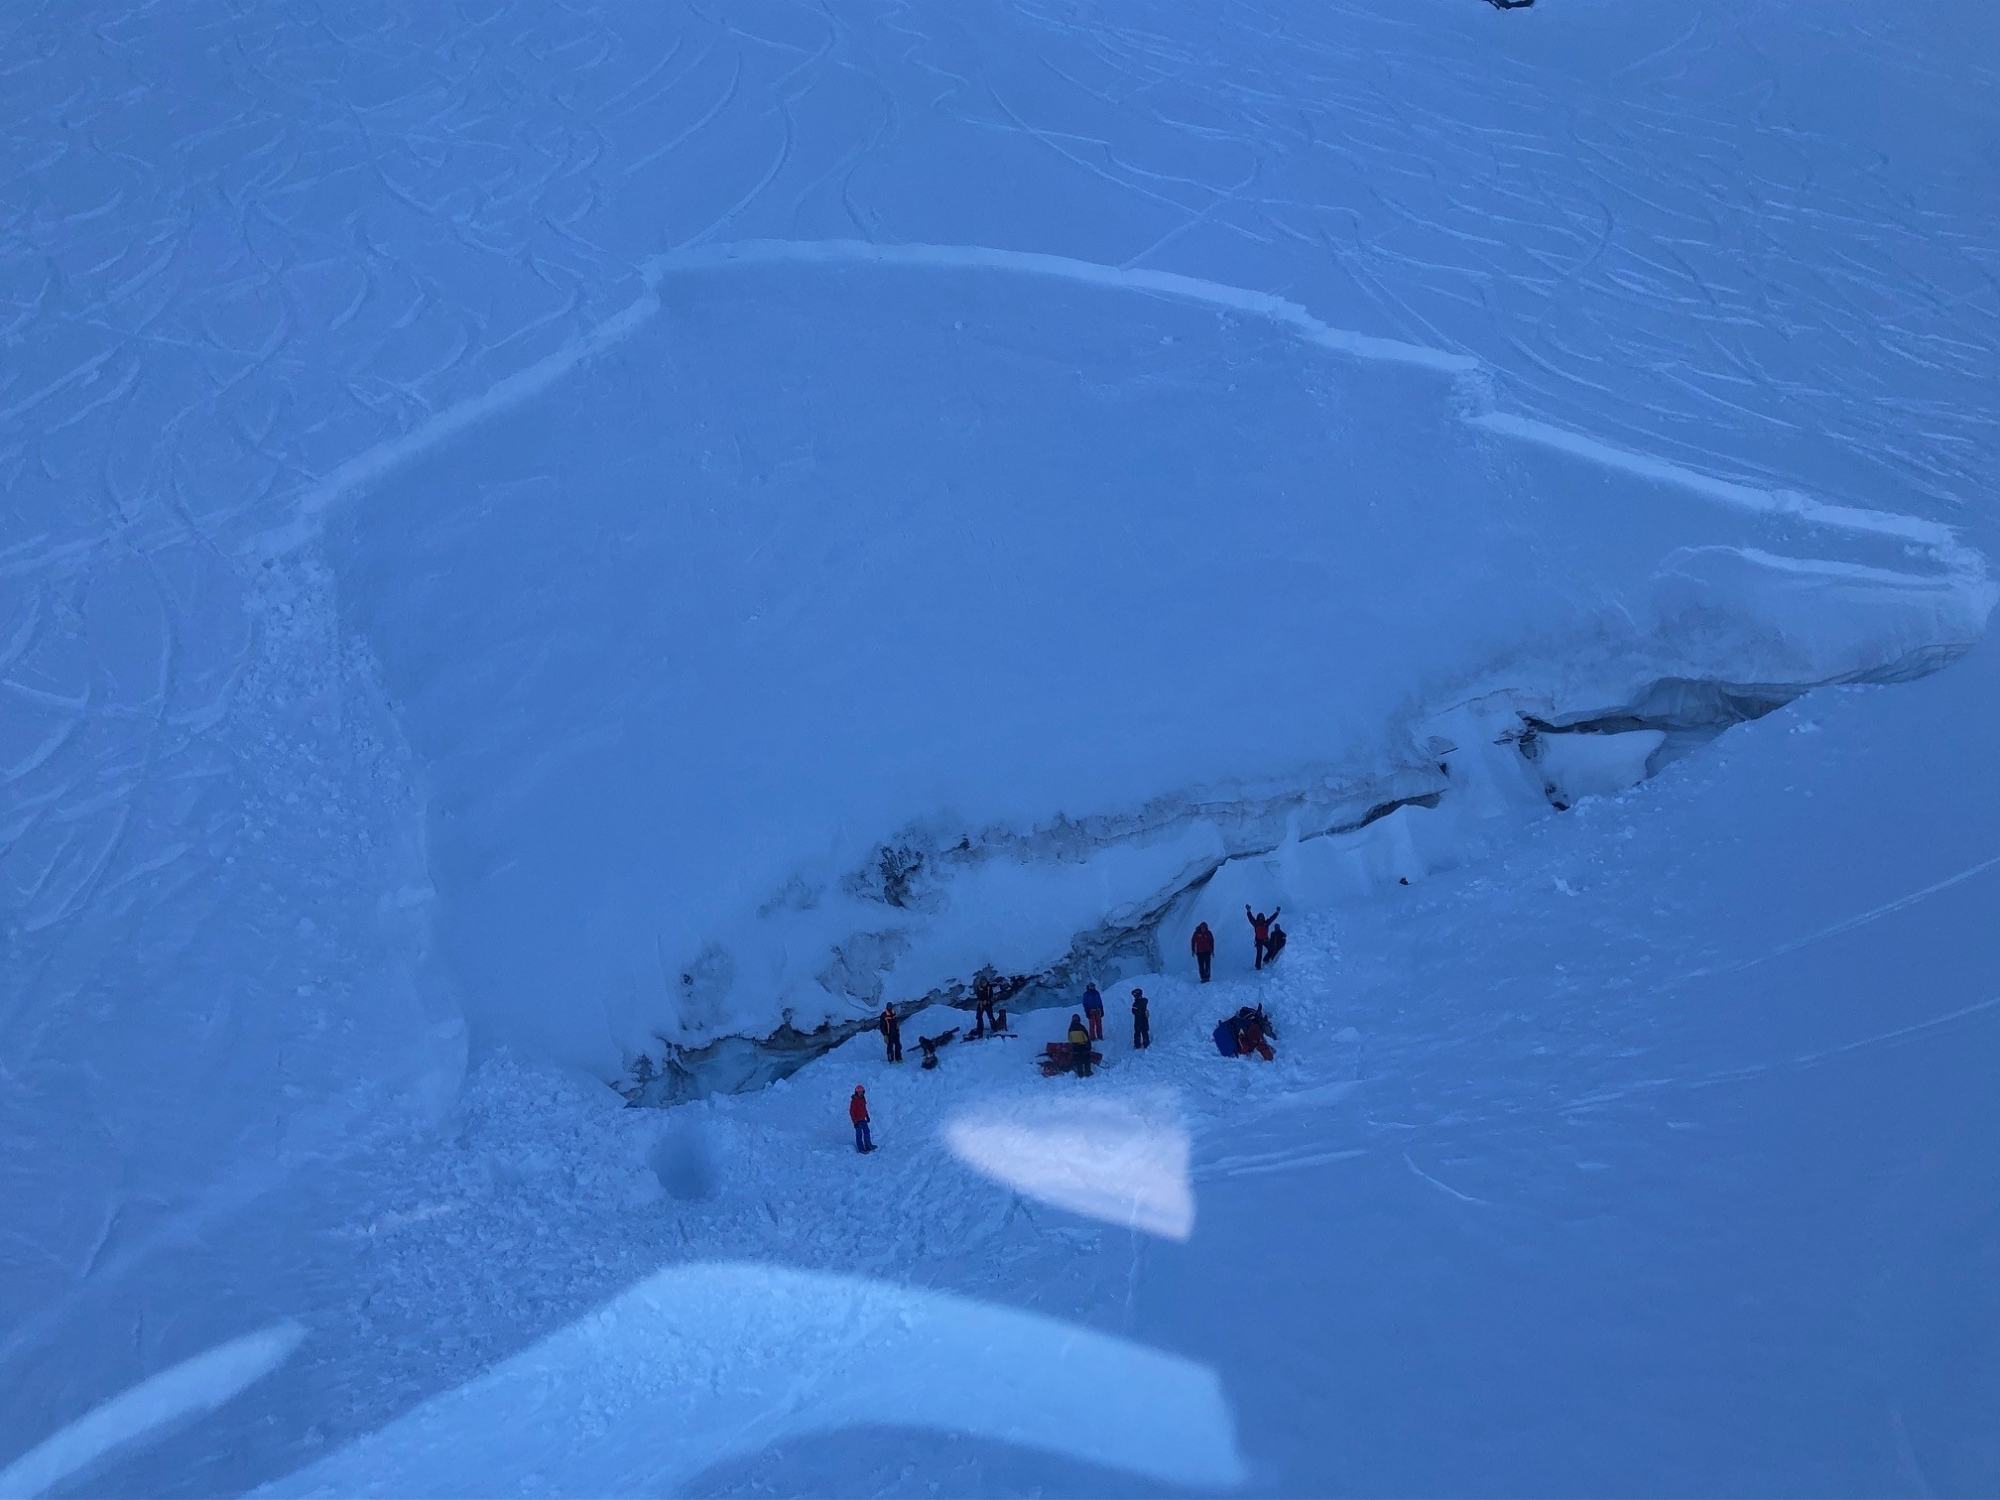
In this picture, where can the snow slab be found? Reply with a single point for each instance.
(756, 664)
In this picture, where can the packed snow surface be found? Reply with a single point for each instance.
(536, 539)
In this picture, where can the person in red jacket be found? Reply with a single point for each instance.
(1204, 949)
(857, 1111)
(1251, 1036)
(1260, 929)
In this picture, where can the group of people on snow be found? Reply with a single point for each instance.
(1267, 941)
(1245, 1034)
(989, 1019)
(1086, 1029)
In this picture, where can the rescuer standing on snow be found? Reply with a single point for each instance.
(1093, 1012)
(1079, 1047)
(1142, 1022)
(1204, 949)
(892, 1032)
(857, 1111)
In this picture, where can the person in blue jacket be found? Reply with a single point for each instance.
(1227, 1040)
(1093, 1012)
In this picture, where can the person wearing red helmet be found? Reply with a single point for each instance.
(857, 1111)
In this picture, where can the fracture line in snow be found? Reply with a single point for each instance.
(360, 472)
(1062, 268)
(1965, 565)
(1940, 539)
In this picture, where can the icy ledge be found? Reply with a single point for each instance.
(1473, 775)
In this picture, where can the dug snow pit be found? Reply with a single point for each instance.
(685, 1161)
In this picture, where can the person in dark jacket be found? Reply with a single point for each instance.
(1204, 949)
(1274, 944)
(1093, 1012)
(1142, 1022)
(982, 1006)
(857, 1112)
(1260, 930)
(892, 1032)
(1079, 1046)
(928, 1045)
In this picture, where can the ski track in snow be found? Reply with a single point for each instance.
(1862, 919)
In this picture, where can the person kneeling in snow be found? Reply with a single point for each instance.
(857, 1111)
(929, 1045)
(1079, 1046)
(1251, 1027)
(1244, 1034)
(1274, 944)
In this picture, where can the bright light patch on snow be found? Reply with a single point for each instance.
(1122, 1159)
(702, 1363)
(189, 1388)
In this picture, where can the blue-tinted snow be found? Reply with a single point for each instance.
(270, 268)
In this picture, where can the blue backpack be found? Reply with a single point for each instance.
(1225, 1039)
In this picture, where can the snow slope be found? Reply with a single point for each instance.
(1643, 1158)
(435, 439)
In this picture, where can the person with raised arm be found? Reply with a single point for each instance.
(1260, 931)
